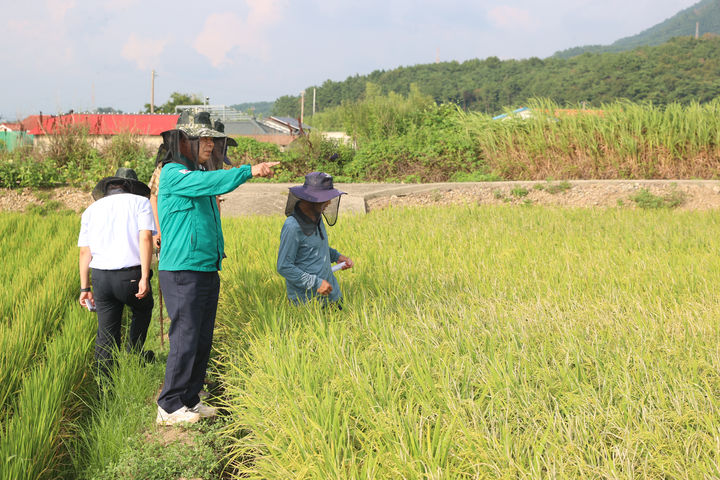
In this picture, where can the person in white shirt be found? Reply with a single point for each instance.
(115, 250)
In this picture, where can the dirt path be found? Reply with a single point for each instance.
(266, 199)
(270, 198)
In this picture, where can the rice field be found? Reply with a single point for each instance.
(45, 342)
(481, 342)
(475, 342)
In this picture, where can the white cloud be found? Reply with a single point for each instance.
(505, 16)
(22, 29)
(143, 51)
(223, 32)
(58, 8)
(119, 5)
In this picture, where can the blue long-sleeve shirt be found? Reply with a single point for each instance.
(304, 261)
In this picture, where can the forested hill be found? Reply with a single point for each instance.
(681, 70)
(706, 13)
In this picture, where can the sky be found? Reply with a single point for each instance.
(57, 55)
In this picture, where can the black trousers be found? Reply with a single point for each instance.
(191, 300)
(112, 290)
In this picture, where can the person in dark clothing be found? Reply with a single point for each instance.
(115, 251)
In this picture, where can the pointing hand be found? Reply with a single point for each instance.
(263, 169)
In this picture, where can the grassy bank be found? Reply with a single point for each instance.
(411, 139)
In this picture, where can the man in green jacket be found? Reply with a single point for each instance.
(191, 256)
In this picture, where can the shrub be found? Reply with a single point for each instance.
(645, 199)
(558, 187)
(250, 150)
(125, 148)
(70, 144)
(519, 192)
(476, 176)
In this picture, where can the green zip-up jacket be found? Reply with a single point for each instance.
(192, 237)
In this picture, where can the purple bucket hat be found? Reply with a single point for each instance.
(318, 188)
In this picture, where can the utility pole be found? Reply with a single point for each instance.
(152, 91)
(314, 90)
(302, 106)
(697, 30)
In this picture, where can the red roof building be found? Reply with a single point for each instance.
(101, 124)
(10, 127)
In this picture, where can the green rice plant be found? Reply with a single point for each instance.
(32, 314)
(121, 409)
(558, 343)
(45, 340)
(30, 438)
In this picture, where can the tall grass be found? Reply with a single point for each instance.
(481, 343)
(620, 140)
(411, 139)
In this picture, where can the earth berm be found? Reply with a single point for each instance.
(261, 198)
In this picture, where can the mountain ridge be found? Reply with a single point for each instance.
(706, 13)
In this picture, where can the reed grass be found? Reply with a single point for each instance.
(620, 140)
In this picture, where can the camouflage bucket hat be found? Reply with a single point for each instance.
(201, 126)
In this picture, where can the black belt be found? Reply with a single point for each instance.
(136, 267)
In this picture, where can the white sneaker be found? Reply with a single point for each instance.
(203, 410)
(183, 415)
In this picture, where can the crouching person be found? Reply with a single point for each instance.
(305, 256)
(115, 251)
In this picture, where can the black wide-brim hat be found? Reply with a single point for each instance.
(125, 178)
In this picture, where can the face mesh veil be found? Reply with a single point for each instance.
(330, 213)
(174, 144)
(218, 154)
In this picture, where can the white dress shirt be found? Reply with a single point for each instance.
(111, 227)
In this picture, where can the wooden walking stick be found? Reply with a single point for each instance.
(162, 335)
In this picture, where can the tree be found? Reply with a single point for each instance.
(177, 98)
(107, 110)
(287, 106)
